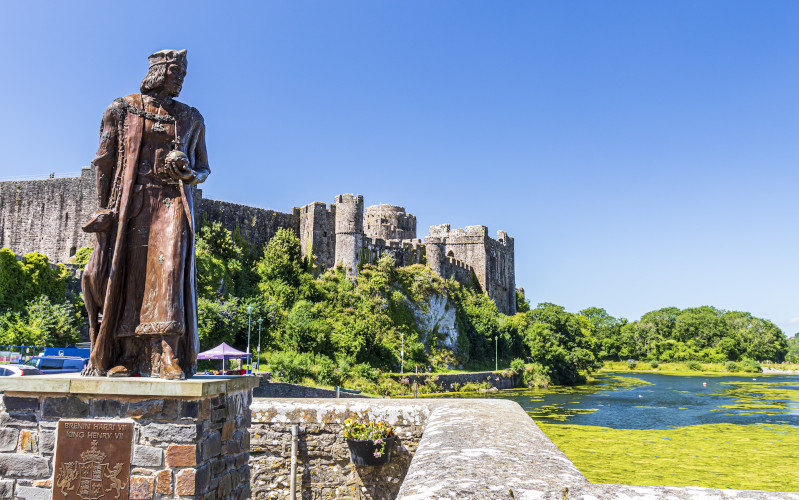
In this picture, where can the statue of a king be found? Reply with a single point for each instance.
(140, 282)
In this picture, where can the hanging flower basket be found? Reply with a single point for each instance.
(370, 443)
(368, 452)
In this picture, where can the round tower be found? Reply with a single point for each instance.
(434, 253)
(349, 231)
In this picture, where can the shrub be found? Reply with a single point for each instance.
(365, 371)
(535, 375)
(694, 365)
(291, 366)
(325, 372)
(751, 366)
(653, 363)
(474, 386)
(631, 363)
(731, 366)
(82, 256)
(517, 365)
(454, 387)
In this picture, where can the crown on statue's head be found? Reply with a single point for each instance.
(168, 57)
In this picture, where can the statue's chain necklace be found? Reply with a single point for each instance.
(146, 114)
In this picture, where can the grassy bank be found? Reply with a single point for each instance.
(682, 368)
(749, 457)
(697, 368)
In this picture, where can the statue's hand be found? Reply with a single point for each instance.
(180, 171)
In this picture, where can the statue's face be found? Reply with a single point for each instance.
(173, 81)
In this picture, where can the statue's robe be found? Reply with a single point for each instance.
(143, 270)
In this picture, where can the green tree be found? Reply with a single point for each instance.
(522, 304)
(23, 280)
(562, 342)
(607, 330)
(218, 261)
(281, 271)
(42, 322)
(793, 349)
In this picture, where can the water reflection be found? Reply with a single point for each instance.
(654, 401)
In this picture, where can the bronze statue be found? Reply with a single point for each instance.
(141, 276)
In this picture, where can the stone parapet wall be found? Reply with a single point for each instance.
(324, 470)
(457, 270)
(269, 389)
(448, 382)
(405, 252)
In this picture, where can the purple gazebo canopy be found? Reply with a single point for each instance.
(222, 351)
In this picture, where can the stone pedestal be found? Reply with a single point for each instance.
(190, 438)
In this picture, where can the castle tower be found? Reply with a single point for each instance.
(317, 236)
(434, 248)
(389, 222)
(349, 231)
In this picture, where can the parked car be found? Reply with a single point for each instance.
(58, 364)
(18, 370)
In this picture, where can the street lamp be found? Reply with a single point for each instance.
(496, 352)
(249, 327)
(258, 366)
(402, 353)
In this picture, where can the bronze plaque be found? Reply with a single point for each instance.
(92, 460)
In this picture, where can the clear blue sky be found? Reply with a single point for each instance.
(642, 154)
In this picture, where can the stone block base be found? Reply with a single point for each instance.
(190, 438)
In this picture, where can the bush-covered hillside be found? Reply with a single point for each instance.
(35, 309)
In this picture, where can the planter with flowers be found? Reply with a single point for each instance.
(370, 443)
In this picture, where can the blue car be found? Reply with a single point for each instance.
(58, 364)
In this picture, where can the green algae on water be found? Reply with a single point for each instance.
(761, 397)
(748, 457)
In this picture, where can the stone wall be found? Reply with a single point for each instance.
(324, 470)
(501, 272)
(257, 225)
(405, 252)
(184, 446)
(46, 215)
(448, 382)
(269, 389)
(458, 270)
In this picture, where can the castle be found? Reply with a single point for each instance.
(46, 216)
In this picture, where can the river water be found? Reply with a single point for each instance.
(621, 400)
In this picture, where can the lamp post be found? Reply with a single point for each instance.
(402, 353)
(496, 352)
(258, 366)
(249, 327)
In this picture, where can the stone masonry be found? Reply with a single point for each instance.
(324, 469)
(46, 216)
(191, 446)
